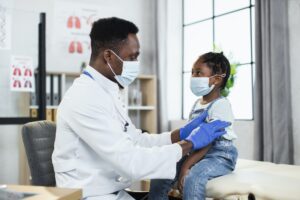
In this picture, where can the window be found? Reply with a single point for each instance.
(229, 26)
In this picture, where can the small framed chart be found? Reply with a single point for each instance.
(22, 74)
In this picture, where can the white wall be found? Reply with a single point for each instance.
(245, 141)
(294, 32)
(137, 11)
(9, 154)
(13, 104)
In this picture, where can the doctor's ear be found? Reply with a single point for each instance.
(107, 55)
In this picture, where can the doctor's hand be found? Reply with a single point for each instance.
(185, 131)
(206, 133)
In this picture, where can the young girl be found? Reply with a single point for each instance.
(209, 76)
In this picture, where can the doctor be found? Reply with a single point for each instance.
(97, 148)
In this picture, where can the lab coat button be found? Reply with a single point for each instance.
(118, 178)
(121, 179)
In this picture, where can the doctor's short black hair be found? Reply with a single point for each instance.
(110, 33)
(218, 63)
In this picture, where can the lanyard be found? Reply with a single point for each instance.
(88, 74)
(126, 123)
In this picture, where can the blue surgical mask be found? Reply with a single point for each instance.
(129, 72)
(200, 85)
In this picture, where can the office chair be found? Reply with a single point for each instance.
(38, 138)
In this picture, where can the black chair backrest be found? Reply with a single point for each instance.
(38, 138)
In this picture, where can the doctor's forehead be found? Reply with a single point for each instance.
(131, 46)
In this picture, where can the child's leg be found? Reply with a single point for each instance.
(159, 188)
(213, 165)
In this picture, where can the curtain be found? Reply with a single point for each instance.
(272, 101)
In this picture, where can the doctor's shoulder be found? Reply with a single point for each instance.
(82, 94)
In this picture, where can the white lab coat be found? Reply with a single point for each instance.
(92, 150)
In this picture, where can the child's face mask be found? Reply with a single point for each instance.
(200, 85)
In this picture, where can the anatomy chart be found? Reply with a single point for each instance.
(71, 42)
(5, 24)
(21, 74)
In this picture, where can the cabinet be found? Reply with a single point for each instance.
(142, 103)
(142, 109)
(57, 84)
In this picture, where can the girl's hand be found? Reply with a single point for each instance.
(183, 173)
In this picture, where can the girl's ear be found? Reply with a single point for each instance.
(217, 80)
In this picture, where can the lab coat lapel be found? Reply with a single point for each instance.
(112, 89)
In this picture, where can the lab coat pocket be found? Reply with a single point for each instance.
(63, 178)
(64, 166)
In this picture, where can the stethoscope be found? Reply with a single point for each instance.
(126, 124)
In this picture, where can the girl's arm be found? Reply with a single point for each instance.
(189, 162)
(195, 157)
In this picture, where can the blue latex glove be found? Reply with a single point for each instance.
(188, 128)
(206, 133)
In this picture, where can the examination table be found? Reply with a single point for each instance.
(257, 180)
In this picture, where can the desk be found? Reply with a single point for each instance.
(48, 193)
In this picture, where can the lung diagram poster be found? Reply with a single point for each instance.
(71, 46)
(22, 74)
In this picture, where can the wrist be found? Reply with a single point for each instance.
(186, 146)
(175, 136)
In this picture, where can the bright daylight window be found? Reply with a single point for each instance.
(227, 26)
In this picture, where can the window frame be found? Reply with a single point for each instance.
(250, 7)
